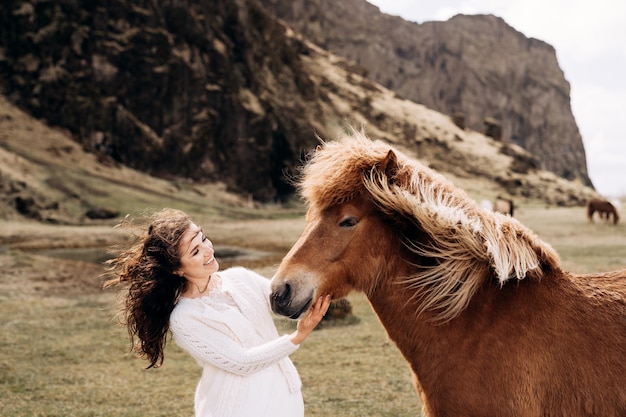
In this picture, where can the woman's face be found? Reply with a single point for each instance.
(197, 260)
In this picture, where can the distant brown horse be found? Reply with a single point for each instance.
(604, 208)
(475, 301)
(503, 205)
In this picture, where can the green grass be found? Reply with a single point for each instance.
(67, 357)
(64, 355)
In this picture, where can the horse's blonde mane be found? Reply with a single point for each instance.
(467, 241)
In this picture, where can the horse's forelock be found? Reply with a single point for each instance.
(335, 172)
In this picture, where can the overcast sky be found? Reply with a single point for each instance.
(590, 42)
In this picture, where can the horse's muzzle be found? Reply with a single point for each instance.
(281, 300)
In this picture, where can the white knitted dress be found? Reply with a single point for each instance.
(246, 367)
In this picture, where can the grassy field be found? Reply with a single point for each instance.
(62, 354)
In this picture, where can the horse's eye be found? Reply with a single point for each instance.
(348, 222)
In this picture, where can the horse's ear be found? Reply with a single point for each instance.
(389, 165)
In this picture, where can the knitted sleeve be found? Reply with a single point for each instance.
(209, 345)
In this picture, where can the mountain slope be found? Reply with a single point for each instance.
(63, 181)
(246, 99)
(475, 67)
(46, 176)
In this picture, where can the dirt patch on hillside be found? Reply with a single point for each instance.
(26, 271)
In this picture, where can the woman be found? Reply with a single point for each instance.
(221, 318)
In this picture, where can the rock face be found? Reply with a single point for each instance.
(224, 91)
(475, 67)
(207, 90)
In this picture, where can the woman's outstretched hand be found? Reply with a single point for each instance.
(312, 319)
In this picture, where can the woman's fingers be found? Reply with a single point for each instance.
(315, 314)
(320, 308)
(325, 304)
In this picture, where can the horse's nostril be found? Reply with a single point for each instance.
(281, 298)
(285, 296)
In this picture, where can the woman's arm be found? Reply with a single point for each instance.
(209, 345)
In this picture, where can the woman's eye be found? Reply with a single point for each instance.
(348, 222)
(204, 238)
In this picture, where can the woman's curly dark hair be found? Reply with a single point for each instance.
(148, 267)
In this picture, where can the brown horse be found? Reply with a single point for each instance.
(604, 208)
(503, 205)
(475, 301)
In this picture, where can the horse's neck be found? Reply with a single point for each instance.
(425, 343)
(415, 335)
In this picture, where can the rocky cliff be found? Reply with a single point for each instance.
(220, 91)
(207, 90)
(477, 68)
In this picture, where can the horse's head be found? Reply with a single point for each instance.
(345, 245)
(342, 248)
